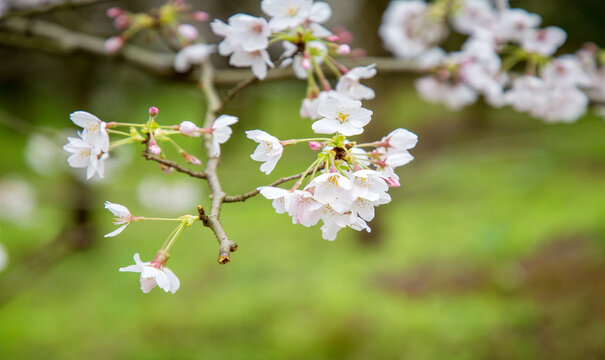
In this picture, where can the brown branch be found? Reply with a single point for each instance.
(246, 196)
(62, 40)
(226, 245)
(44, 9)
(174, 165)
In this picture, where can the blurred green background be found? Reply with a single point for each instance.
(494, 248)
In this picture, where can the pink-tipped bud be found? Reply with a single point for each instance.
(113, 12)
(392, 182)
(191, 159)
(188, 128)
(200, 16)
(154, 111)
(121, 22)
(344, 35)
(154, 147)
(343, 49)
(332, 38)
(315, 146)
(306, 62)
(113, 44)
(187, 31)
(165, 169)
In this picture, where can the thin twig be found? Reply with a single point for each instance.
(246, 196)
(174, 165)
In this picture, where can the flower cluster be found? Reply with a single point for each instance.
(499, 40)
(296, 23)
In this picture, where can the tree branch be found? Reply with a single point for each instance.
(66, 41)
(38, 10)
(174, 165)
(246, 196)
(226, 245)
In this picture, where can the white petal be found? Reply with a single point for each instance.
(116, 231)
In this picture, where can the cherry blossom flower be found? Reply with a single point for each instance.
(453, 95)
(543, 41)
(566, 71)
(472, 15)
(547, 101)
(397, 143)
(343, 116)
(349, 84)
(94, 132)
(512, 24)
(281, 197)
(152, 276)
(84, 155)
(243, 32)
(268, 151)
(408, 30)
(192, 55)
(333, 189)
(286, 13)
(259, 61)
(334, 221)
(221, 132)
(122, 217)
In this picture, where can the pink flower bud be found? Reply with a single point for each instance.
(154, 148)
(113, 12)
(187, 31)
(392, 182)
(153, 111)
(122, 22)
(332, 38)
(306, 63)
(343, 49)
(200, 16)
(315, 146)
(188, 128)
(344, 35)
(191, 159)
(165, 169)
(113, 44)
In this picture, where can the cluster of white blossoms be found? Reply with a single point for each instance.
(499, 38)
(296, 23)
(352, 183)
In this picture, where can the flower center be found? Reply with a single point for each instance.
(292, 10)
(342, 116)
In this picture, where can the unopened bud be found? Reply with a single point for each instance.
(187, 31)
(153, 111)
(188, 128)
(315, 146)
(165, 169)
(113, 12)
(306, 62)
(121, 22)
(154, 147)
(200, 16)
(332, 38)
(113, 44)
(191, 159)
(344, 35)
(343, 49)
(392, 182)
